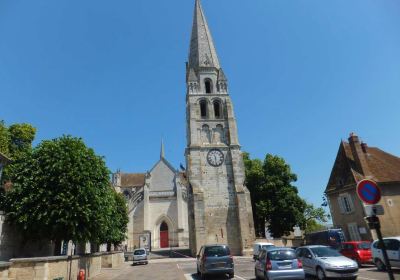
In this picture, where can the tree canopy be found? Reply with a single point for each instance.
(275, 199)
(61, 190)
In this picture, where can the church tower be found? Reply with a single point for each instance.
(219, 203)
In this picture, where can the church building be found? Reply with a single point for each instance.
(157, 206)
(208, 203)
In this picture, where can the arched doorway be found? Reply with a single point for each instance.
(164, 242)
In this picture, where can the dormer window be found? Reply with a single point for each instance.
(208, 85)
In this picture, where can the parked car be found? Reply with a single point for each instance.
(258, 246)
(360, 251)
(140, 256)
(325, 262)
(393, 250)
(215, 259)
(278, 263)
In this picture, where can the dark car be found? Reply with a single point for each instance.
(215, 259)
(360, 251)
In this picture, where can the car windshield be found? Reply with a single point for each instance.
(324, 252)
(281, 255)
(267, 246)
(364, 245)
(217, 251)
(139, 252)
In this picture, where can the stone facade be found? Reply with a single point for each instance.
(356, 161)
(219, 202)
(157, 206)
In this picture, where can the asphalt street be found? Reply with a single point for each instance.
(185, 269)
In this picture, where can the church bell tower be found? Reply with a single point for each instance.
(219, 203)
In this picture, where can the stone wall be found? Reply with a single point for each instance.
(11, 245)
(49, 268)
(4, 266)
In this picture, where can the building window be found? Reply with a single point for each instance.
(345, 203)
(353, 232)
(217, 109)
(203, 108)
(208, 85)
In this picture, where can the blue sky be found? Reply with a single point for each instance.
(302, 76)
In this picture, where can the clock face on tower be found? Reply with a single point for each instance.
(215, 157)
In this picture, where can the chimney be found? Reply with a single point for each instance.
(359, 154)
(364, 147)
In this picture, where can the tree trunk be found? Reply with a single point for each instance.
(57, 248)
(109, 247)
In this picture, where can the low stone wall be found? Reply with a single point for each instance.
(4, 266)
(112, 260)
(66, 268)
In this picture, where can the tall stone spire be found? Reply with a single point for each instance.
(202, 49)
(162, 153)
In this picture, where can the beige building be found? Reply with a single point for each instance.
(356, 161)
(157, 206)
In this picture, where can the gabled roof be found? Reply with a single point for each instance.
(166, 162)
(383, 167)
(202, 50)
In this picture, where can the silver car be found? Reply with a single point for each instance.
(140, 256)
(325, 262)
(278, 263)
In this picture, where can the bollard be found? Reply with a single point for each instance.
(81, 275)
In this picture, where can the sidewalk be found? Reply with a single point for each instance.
(112, 273)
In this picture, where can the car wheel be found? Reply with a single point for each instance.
(380, 265)
(231, 275)
(320, 274)
(358, 262)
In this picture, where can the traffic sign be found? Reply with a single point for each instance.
(368, 191)
(373, 210)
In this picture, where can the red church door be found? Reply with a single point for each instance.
(164, 242)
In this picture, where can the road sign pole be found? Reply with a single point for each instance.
(384, 252)
(374, 223)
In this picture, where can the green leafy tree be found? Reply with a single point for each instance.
(60, 190)
(275, 200)
(313, 217)
(15, 141)
(4, 139)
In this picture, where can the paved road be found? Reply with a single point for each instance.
(185, 269)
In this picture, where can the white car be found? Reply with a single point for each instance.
(258, 246)
(393, 251)
(325, 262)
(140, 256)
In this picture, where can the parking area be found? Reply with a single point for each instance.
(185, 269)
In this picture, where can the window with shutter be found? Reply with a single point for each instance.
(341, 207)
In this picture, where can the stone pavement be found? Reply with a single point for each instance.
(185, 269)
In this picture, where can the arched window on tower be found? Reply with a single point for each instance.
(203, 108)
(208, 85)
(217, 109)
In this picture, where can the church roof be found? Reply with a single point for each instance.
(132, 179)
(202, 50)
